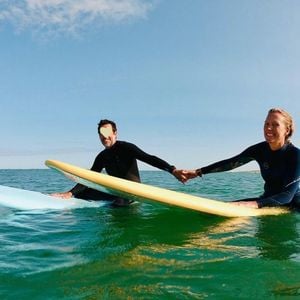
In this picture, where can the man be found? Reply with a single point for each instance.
(119, 159)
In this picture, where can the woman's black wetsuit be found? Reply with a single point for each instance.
(119, 161)
(280, 170)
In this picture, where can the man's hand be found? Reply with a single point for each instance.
(185, 175)
(180, 175)
(66, 195)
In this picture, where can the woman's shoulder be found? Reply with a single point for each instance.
(259, 146)
(292, 148)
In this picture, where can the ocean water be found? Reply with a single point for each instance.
(147, 251)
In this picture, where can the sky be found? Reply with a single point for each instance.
(189, 81)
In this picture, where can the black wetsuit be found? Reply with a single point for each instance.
(120, 161)
(280, 170)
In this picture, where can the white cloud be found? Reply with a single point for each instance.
(69, 15)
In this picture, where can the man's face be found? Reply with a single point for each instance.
(107, 136)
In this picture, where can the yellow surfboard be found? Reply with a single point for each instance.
(144, 192)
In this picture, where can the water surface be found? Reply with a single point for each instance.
(147, 251)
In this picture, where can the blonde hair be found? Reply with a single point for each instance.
(287, 119)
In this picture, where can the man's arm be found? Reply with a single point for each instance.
(155, 162)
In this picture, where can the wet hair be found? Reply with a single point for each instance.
(104, 122)
(287, 119)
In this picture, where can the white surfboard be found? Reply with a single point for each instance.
(143, 192)
(27, 200)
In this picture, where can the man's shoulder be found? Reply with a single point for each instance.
(118, 144)
(124, 144)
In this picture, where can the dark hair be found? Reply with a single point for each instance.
(104, 122)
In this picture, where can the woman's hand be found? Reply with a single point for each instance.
(252, 204)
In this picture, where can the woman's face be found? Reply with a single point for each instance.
(275, 130)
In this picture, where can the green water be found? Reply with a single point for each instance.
(147, 251)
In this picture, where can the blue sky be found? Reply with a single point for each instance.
(190, 81)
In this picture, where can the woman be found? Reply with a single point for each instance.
(278, 159)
